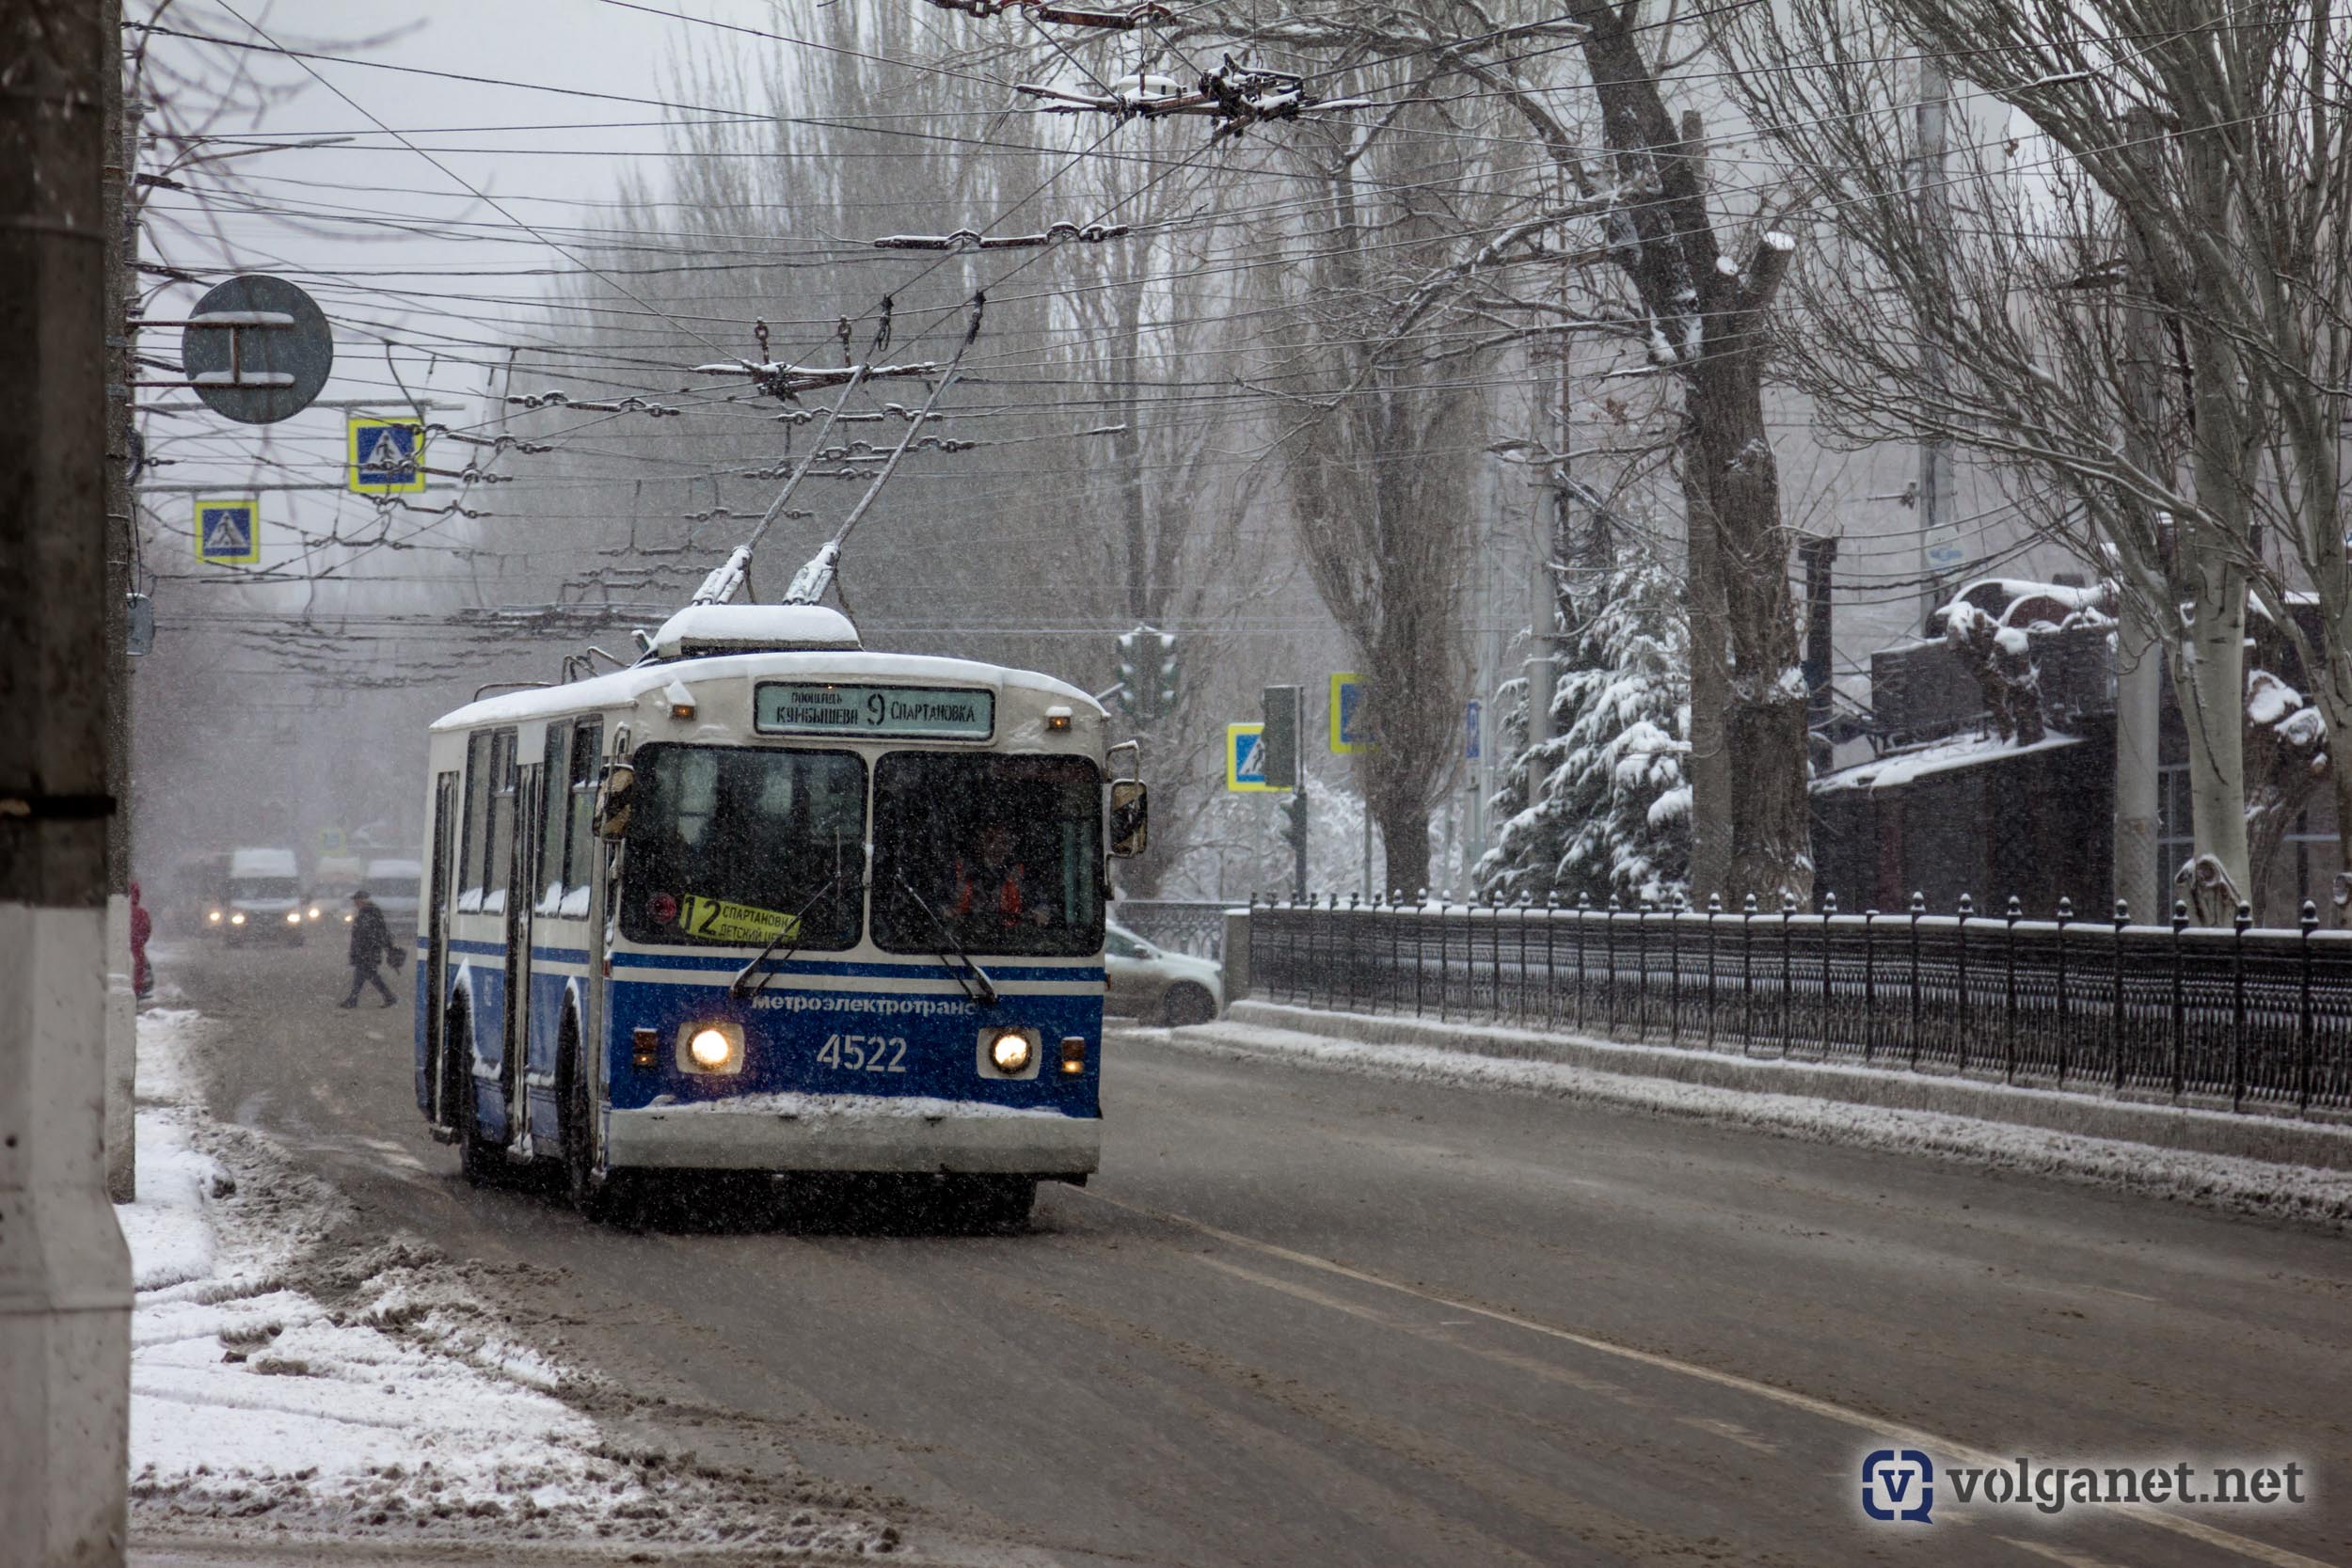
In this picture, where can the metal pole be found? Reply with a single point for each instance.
(65, 1275)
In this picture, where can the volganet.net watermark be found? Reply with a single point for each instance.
(1906, 1485)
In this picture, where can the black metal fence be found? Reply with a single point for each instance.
(1195, 925)
(2258, 1019)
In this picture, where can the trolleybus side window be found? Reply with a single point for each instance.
(738, 845)
(498, 870)
(1003, 854)
(474, 854)
(587, 745)
(552, 788)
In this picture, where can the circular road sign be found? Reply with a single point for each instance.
(294, 357)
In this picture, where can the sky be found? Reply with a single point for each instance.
(375, 221)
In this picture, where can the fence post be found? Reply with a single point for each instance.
(1869, 986)
(2303, 1030)
(2244, 918)
(1918, 909)
(2065, 913)
(1714, 908)
(2180, 999)
(2115, 1029)
(1787, 972)
(1551, 971)
(1675, 912)
(1641, 970)
(1829, 913)
(1747, 974)
(1583, 905)
(1524, 1012)
(1609, 947)
(1421, 945)
(2009, 1003)
(1494, 906)
(1445, 960)
(1959, 1037)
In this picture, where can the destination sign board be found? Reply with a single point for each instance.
(940, 713)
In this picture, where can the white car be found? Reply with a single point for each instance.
(1159, 987)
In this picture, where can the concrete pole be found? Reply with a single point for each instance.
(1936, 510)
(120, 216)
(2138, 647)
(65, 1277)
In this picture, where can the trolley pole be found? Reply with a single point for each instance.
(65, 1277)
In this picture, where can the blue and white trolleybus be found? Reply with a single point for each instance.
(767, 901)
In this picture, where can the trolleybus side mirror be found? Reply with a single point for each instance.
(614, 796)
(1130, 818)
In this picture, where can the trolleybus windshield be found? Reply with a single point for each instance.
(740, 846)
(988, 853)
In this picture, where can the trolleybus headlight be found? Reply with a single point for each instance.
(1011, 1051)
(713, 1046)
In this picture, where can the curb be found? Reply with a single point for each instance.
(2272, 1139)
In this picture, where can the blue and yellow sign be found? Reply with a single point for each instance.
(229, 532)
(386, 456)
(1245, 758)
(1347, 714)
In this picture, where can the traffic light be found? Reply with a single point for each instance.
(1295, 835)
(1278, 737)
(1147, 674)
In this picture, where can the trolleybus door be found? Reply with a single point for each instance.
(434, 982)
(521, 892)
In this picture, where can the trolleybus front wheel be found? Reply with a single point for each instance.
(481, 1163)
(592, 1195)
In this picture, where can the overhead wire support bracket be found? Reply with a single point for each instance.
(971, 239)
(1124, 20)
(1236, 97)
(787, 382)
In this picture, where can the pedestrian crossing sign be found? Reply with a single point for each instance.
(229, 532)
(386, 456)
(1245, 758)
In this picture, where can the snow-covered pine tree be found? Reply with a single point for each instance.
(1612, 812)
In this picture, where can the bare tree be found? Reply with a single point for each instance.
(1628, 200)
(2137, 290)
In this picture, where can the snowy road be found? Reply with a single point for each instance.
(1307, 1318)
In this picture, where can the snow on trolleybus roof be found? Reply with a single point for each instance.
(626, 688)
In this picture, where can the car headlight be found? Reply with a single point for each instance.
(294, 917)
(237, 919)
(712, 1046)
(315, 912)
(1012, 1053)
(213, 915)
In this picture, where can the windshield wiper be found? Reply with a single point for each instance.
(986, 994)
(736, 988)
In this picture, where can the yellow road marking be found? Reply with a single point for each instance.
(2195, 1529)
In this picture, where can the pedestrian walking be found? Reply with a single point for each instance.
(142, 927)
(370, 943)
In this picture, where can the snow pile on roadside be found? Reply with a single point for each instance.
(278, 1385)
(2300, 1193)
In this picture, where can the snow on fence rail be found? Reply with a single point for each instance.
(2259, 1018)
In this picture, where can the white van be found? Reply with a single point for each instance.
(264, 896)
(395, 885)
